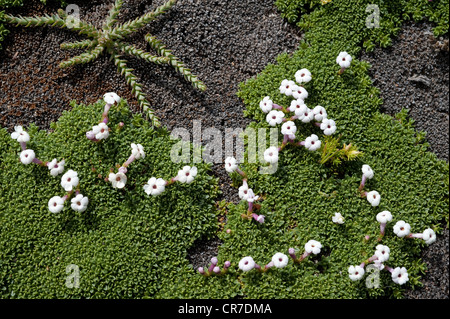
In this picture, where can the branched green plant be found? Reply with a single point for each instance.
(110, 39)
(332, 153)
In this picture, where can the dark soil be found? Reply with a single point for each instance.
(224, 43)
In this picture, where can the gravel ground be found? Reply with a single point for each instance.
(224, 43)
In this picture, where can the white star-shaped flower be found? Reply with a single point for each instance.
(187, 174)
(274, 117)
(20, 135)
(313, 246)
(355, 272)
(319, 113)
(266, 104)
(384, 217)
(155, 186)
(69, 180)
(402, 229)
(246, 263)
(367, 171)
(373, 197)
(56, 167)
(429, 236)
(280, 260)
(27, 156)
(344, 60)
(287, 86)
(230, 164)
(137, 150)
(111, 98)
(101, 131)
(271, 155)
(303, 76)
(328, 126)
(312, 143)
(118, 180)
(400, 275)
(55, 204)
(79, 203)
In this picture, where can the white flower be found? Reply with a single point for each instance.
(111, 98)
(344, 60)
(303, 76)
(274, 117)
(20, 135)
(243, 191)
(187, 174)
(246, 263)
(286, 87)
(312, 143)
(230, 164)
(338, 218)
(304, 114)
(55, 204)
(137, 150)
(299, 93)
(367, 171)
(400, 275)
(79, 203)
(155, 186)
(384, 217)
(355, 272)
(117, 180)
(271, 155)
(373, 198)
(288, 128)
(266, 104)
(328, 126)
(56, 167)
(69, 180)
(402, 229)
(27, 156)
(313, 246)
(296, 104)
(101, 131)
(382, 252)
(429, 236)
(280, 260)
(251, 197)
(319, 113)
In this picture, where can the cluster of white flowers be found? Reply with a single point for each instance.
(70, 182)
(101, 130)
(344, 60)
(381, 255)
(277, 114)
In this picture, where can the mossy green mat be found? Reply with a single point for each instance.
(128, 245)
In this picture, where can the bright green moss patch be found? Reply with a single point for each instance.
(127, 244)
